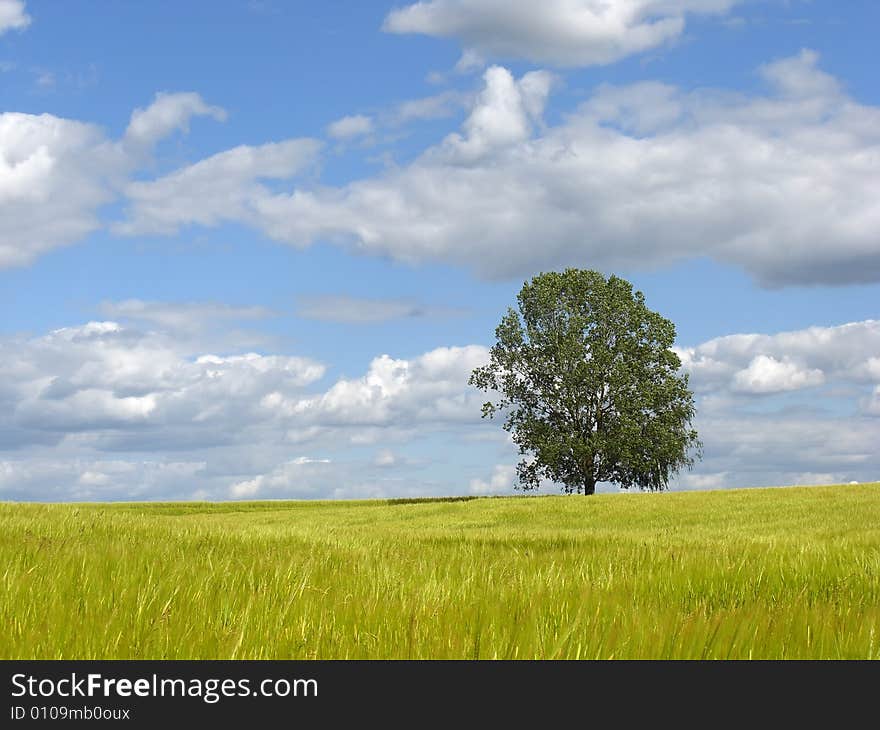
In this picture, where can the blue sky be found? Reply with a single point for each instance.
(253, 248)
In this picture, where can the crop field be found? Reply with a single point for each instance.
(788, 573)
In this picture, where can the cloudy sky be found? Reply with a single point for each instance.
(254, 248)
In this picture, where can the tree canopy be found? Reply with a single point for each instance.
(588, 385)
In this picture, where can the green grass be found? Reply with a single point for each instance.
(764, 573)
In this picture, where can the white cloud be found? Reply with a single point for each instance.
(638, 176)
(704, 480)
(504, 113)
(102, 375)
(91, 480)
(224, 187)
(436, 106)
(169, 112)
(798, 77)
(106, 411)
(293, 480)
(765, 374)
(810, 478)
(349, 127)
(871, 404)
(769, 439)
(319, 478)
(104, 392)
(13, 16)
(501, 482)
(104, 379)
(871, 368)
(560, 32)
(470, 60)
(56, 174)
(653, 173)
(785, 361)
(778, 448)
(428, 389)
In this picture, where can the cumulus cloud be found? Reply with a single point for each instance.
(755, 429)
(107, 392)
(710, 480)
(102, 376)
(350, 127)
(424, 390)
(296, 479)
(763, 364)
(871, 404)
(168, 113)
(504, 114)
(56, 174)
(13, 16)
(320, 478)
(638, 176)
(106, 410)
(470, 60)
(781, 447)
(93, 480)
(502, 480)
(110, 382)
(557, 32)
(771, 437)
(224, 187)
(766, 374)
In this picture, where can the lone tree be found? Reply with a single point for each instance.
(589, 386)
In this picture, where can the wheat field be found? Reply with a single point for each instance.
(781, 573)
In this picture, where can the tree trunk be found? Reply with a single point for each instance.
(589, 485)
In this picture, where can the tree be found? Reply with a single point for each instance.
(589, 385)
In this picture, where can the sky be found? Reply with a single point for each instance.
(252, 249)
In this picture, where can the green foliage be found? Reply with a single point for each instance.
(589, 385)
(754, 573)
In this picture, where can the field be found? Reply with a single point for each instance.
(761, 573)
